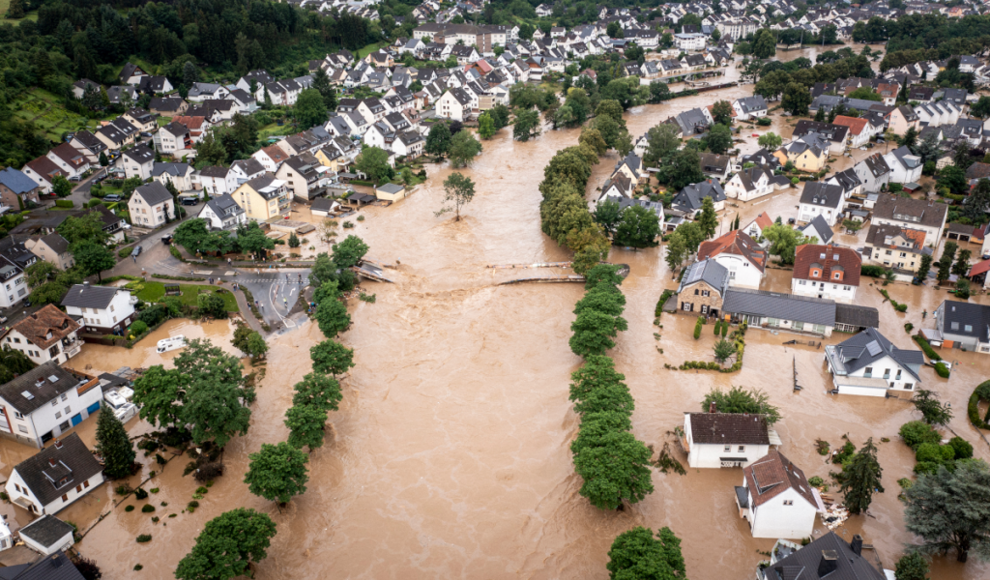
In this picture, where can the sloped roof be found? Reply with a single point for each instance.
(16, 181)
(821, 228)
(869, 346)
(822, 194)
(729, 429)
(35, 327)
(773, 475)
(927, 213)
(855, 315)
(737, 243)
(153, 193)
(72, 460)
(804, 563)
(88, 296)
(37, 382)
(828, 259)
(780, 306)
(855, 124)
(708, 271)
(46, 530)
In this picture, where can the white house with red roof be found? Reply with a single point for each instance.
(755, 228)
(828, 272)
(745, 260)
(776, 499)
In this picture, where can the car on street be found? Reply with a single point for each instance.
(167, 240)
(75, 178)
(137, 251)
(113, 197)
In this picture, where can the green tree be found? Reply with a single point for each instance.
(458, 191)
(950, 511)
(639, 228)
(306, 426)
(210, 151)
(722, 350)
(214, 401)
(277, 472)
(932, 409)
(486, 126)
(910, 138)
(638, 555)
(680, 169)
(962, 263)
(331, 357)
(608, 215)
(796, 99)
(373, 162)
(227, 546)
(594, 332)
(321, 82)
(211, 305)
(860, 478)
(764, 44)
(981, 108)
(722, 113)
(676, 251)
(739, 400)
(770, 141)
(527, 125)
(659, 92)
(92, 257)
(293, 240)
(865, 93)
(602, 274)
(924, 267)
(614, 470)
(310, 110)
(463, 149)
(708, 219)
(978, 202)
(159, 394)
(249, 342)
(349, 252)
(602, 298)
(783, 241)
(911, 566)
(614, 30)
(500, 115)
(114, 446)
(61, 186)
(438, 139)
(719, 139)
(252, 239)
(661, 140)
(332, 317)
(103, 159)
(954, 178)
(318, 391)
(598, 372)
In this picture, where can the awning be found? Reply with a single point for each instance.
(742, 496)
(774, 437)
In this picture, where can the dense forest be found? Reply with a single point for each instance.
(916, 37)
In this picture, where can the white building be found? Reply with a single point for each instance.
(45, 402)
(822, 199)
(745, 260)
(868, 364)
(690, 41)
(138, 162)
(102, 309)
(46, 335)
(777, 500)
(47, 535)
(223, 213)
(454, 104)
(150, 204)
(904, 165)
(827, 272)
(55, 477)
(715, 440)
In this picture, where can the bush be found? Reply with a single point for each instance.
(942, 370)
(764, 122)
(961, 448)
(123, 489)
(871, 271)
(143, 538)
(663, 298)
(138, 327)
(125, 252)
(981, 392)
(209, 472)
(900, 307)
(138, 567)
(129, 508)
(916, 433)
(140, 493)
(926, 347)
(64, 203)
(718, 327)
(193, 504)
(697, 327)
(908, 327)
(934, 453)
(148, 508)
(816, 481)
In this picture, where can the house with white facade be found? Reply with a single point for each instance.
(821, 199)
(716, 440)
(829, 272)
(215, 180)
(48, 535)
(223, 213)
(138, 162)
(180, 175)
(750, 107)
(962, 325)
(690, 41)
(777, 500)
(873, 172)
(754, 182)
(868, 364)
(151, 205)
(454, 104)
(100, 309)
(918, 214)
(173, 139)
(905, 166)
(46, 335)
(745, 260)
(55, 477)
(45, 402)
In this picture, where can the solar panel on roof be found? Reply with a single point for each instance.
(874, 348)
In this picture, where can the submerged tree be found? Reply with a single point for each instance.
(950, 511)
(459, 190)
(277, 472)
(114, 446)
(861, 478)
(638, 555)
(614, 470)
(227, 546)
(739, 400)
(331, 357)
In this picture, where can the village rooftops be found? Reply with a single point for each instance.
(822, 194)
(58, 467)
(266, 186)
(153, 193)
(38, 387)
(827, 557)
(736, 243)
(780, 306)
(708, 271)
(87, 296)
(46, 326)
(729, 428)
(926, 213)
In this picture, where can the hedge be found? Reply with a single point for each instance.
(942, 370)
(65, 203)
(180, 278)
(697, 327)
(871, 271)
(663, 300)
(981, 392)
(125, 252)
(926, 347)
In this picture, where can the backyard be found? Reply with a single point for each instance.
(48, 115)
(154, 291)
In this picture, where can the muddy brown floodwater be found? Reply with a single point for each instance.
(449, 455)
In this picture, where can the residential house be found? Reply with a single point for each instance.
(138, 162)
(131, 74)
(754, 182)
(49, 535)
(828, 272)
(834, 134)
(763, 158)
(173, 139)
(703, 288)
(689, 199)
(873, 172)
(89, 145)
(215, 180)
(51, 248)
(263, 198)
(817, 230)
(617, 188)
(694, 121)
(822, 199)
(848, 181)
(808, 153)
(114, 138)
(750, 107)
(719, 440)
(100, 309)
(901, 119)
(745, 260)
(963, 325)
(690, 41)
(454, 104)
(80, 87)
(776, 499)
(45, 402)
(860, 129)
(754, 229)
(408, 144)
(853, 318)
(223, 213)
(715, 166)
(919, 214)
(17, 189)
(306, 177)
(54, 478)
(942, 113)
(246, 169)
(896, 247)
(151, 205)
(200, 92)
(142, 119)
(155, 85)
(15, 258)
(777, 311)
(271, 157)
(180, 175)
(390, 192)
(68, 159)
(905, 166)
(868, 364)
(197, 126)
(828, 557)
(46, 335)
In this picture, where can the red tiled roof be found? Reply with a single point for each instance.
(763, 221)
(46, 168)
(737, 243)
(276, 153)
(980, 268)
(49, 319)
(70, 155)
(190, 122)
(774, 474)
(855, 125)
(845, 260)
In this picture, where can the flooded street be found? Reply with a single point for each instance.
(449, 455)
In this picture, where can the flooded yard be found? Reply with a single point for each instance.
(449, 456)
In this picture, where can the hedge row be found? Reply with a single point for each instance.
(932, 355)
(980, 393)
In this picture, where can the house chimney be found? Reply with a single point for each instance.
(829, 563)
(857, 545)
(51, 461)
(58, 444)
(711, 407)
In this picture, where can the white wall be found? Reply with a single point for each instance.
(773, 519)
(832, 290)
(119, 309)
(706, 456)
(59, 504)
(808, 211)
(14, 290)
(894, 382)
(18, 341)
(742, 273)
(50, 417)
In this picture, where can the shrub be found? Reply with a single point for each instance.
(140, 493)
(916, 433)
(961, 448)
(143, 538)
(202, 490)
(717, 326)
(981, 392)
(942, 370)
(148, 508)
(900, 307)
(927, 348)
(816, 481)
(125, 252)
(209, 471)
(871, 271)
(64, 203)
(929, 467)
(129, 508)
(663, 298)
(764, 122)
(908, 327)
(139, 327)
(138, 567)
(905, 483)
(697, 327)
(934, 453)
(123, 489)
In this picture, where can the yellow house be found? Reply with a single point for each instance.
(330, 157)
(263, 198)
(808, 153)
(390, 192)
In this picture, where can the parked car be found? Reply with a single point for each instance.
(790, 221)
(189, 201)
(137, 251)
(113, 197)
(146, 134)
(75, 178)
(167, 240)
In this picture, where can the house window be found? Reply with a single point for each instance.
(908, 386)
(968, 328)
(22, 428)
(798, 326)
(86, 483)
(897, 377)
(788, 502)
(704, 309)
(68, 410)
(58, 414)
(728, 448)
(65, 397)
(802, 283)
(17, 487)
(17, 415)
(868, 373)
(886, 374)
(55, 402)
(706, 293)
(696, 292)
(78, 489)
(65, 497)
(742, 448)
(954, 325)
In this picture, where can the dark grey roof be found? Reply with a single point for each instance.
(977, 316)
(389, 188)
(904, 209)
(876, 165)
(690, 198)
(708, 271)
(175, 169)
(249, 166)
(830, 132)
(869, 346)
(806, 563)
(86, 296)
(38, 384)
(262, 185)
(854, 315)
(822, 194)
(17, 181)
(847, 180)
(140, 154)
(224, 206)
(751, 104)
(153, 193)
(56, 242)
(214, 171)
(46, 530)
(73, 462)
(54, 567)
(322, 204)
(821, 227)
(780, 306)
(729, 428)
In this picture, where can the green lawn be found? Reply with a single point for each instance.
(48, 114)
(5, 5)
(155, 291)
(360, 53)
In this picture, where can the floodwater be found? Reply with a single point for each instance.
(449, 455)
